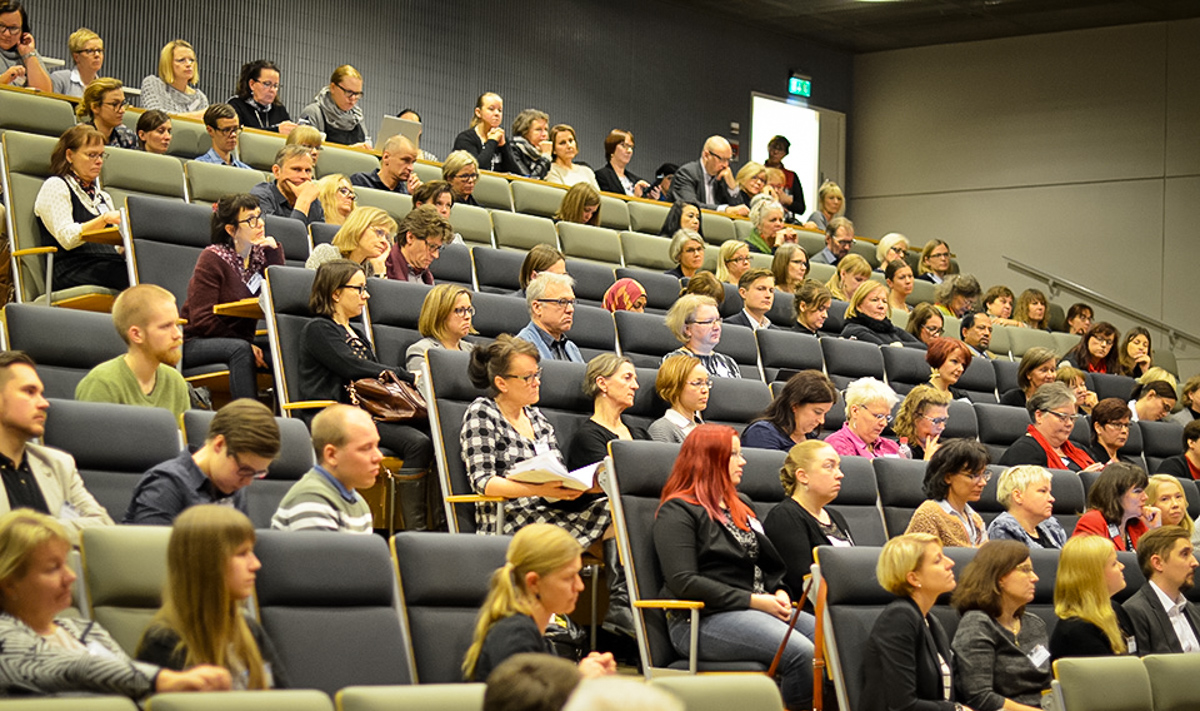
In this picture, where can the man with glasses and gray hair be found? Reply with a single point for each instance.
(839, 238)
(423, 232)
(709, 182)
(551, 299)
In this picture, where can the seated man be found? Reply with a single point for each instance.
(709, 182)
(1164, 621)
(146, 318)
(293, 193)
(957, 295)
(395, 172)
(839, 238)
(551, 299)
(347, 447)
(37, 477)
(422, 233)
(757, 289)
(223, 126)
(243, 439)
(976, 332)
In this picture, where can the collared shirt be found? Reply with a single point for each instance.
(676, 418)
(21, 486)
(847, 443)
(349, 495)
(755, 323)
(548, 346)
(172, 486)
(213, 157)
(977, 535)
(1133, 416)
(1179, 619)
(828, 257)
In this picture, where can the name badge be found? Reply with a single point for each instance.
(1131, 644)
(756, 526)
(540, 447)
(840, 543)
(255, 283)
(1039, 656)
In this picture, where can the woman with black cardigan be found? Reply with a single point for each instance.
(484, 138)
(867, 319)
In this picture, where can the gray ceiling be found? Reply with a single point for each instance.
(874, 25)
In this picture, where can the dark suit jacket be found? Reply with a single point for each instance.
(1151, 627)
(900, 664)
(688, 186)
(741, 319)
(608, 181)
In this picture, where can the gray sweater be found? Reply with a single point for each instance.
(993, 666)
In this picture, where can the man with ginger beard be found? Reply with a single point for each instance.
(147, 320)
(294, 192)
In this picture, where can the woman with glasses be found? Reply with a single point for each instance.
(934, 265)
(733, 260)
(337, 198)
(795, 415)
(484, 138)
(364, 238)
(682, 382)
(87, 54)
(335, 110)
(955, 476)
(461, 170)
(1002, 649)
(103, 107)
(830, 202)
(19, 59)
(1110, 429)
(564, 170)
(1117, 507)
(232, 268)
(892, 246)
(504, 428)
(922, 419)
(445, 322)
(1096, 351)
(615, 176)
(696, 323)
(71, 203)
(926, 323)
(1153, 401)
(769, 232)
(1024, 492)
(790, 267)
(1038, 367)
(869, 406)
(256, 98)
(899, 277)
(687, 251)
(1045, 442)
(174, 89)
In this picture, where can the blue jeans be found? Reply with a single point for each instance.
(754, 636)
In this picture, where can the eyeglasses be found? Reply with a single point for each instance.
(95, 155)
(116, 105)
(626, 146)
(468, 177)
(844, 242)
(939, 255)
(10, 29)
(702, 384)
(229, 132)
(251, 221)
(269, 84)
(89, 52)
(382, 234)
(719, 159)
(881, 417)
(693, 250)
(351, 94)
(347, 192)
(1120, 426)
(1026, 568)
(1102, 341)
(562, 303)
(246, 472)
(436, 249)
(1062, 416)
(708, 322)
(932, 330)
(464, 311)
(984, 476)
(360, 288)
(936, 421)
(537, 375)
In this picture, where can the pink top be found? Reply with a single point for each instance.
(848, 444)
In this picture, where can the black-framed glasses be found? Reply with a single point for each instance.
(562, 303)
(932, 330)
(536, 375)
(349, 93)
(347, 192)
(251, 221)
(1062, 416)
(436, 249)
(270, 84)
(360, 288)
(246, 472)
(1120, 426)
(469, 177)
(464, 311)
(92, 52)
(10, 29)
(229, 132)
(708, 322)
(116, 105)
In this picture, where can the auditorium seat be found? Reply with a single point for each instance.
(1159, 441)
(78, 703)
(1064, 342)
(1118, 386)
(812, 243)
(473, 223)
(922, 293)
(323, 232)
(716, 228)
(454, 266)
(31, 113)
(286, 312)
(854, 600)
(209, 182)
(647, 218)
(394, 204)
(417, 697)
(847, 360)
(451, 393)
(1022, 339)
(905, 368)
(593, 331)
(646, 251)
(742, 229)
(40, 332)
(1173, 681)
(257, 149)
(292, 235)
(662, 290)
(783, 310)
(1000, 426)
(1000, 345)
(785, 352)
(346, 161)
(492, 192)
(614, 213)
(1102, 684)
(393, 313)
(724, 691)
(427, 172)
(962, 423)
(124, 571)
(643, 338)
(166, 240)
(128, 172)
(497, 271)
(818, 271)
(978, 381)
(858, 502)
(188, 138)
(536, 197)
(835, 321)
(272, 700)
(521, 232)
(598, 244)
(1006, 375)
(901, 490)
(496, 314)
(736, 401)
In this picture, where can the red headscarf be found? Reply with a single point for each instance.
(622, 295)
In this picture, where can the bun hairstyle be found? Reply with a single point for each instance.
(493, 360)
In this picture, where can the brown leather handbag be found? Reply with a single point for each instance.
(388, 398)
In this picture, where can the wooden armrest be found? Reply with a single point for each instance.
(475, 499)
(670, 604)
(34, 250)
(104, 235)
(309, 404)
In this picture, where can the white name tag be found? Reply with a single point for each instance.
(1039, 656)
(541, 448)
(756, 526)
(255, 283)
(1131, 644)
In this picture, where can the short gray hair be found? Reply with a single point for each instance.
(1019, 479)
(1050, 396)
(680, 239)
(760, 207)
(538, 286)
(865, 391)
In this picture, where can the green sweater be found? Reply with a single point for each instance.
(113, 381)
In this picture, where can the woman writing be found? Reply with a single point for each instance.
(949, 358)
(766, 215)
(683, 382)
(1096, 351)
(867, 318)
(364, 238)
(256, 98)
(530, 147)
(1037, 368)
(580, 205)
(174, 88)
(795, 415)
(103, 107)
(687, 251)
(335, 110)
(1024, 492)
(926, 323)
(733, 261)
(445, 322)
(484, 138)
(869, 406)
(830, 202)
(922, 419)
(615, 177)
(154, 131)
(955, 476)
(851, 272)
(696, 323)
(563, 170)
(790, 267)
(1117, 507)
(1090, 623)
(1045, 442)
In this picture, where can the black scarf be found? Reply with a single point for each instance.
(878, 325)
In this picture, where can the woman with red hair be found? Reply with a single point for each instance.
(949, 358)
(712, 548)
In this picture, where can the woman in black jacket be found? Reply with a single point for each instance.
(615, 176)
(256, 98)
(485, 138)
(867, 318)
(712, 549)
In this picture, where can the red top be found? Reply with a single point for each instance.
(215, 281)
(1192, 468)
(1092, 523)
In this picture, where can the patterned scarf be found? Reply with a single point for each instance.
(257, 263)
(335, 117)
(622, 295)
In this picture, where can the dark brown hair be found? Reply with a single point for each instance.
(803, 388)
(979, 585)
(1109, 488)
(73, 139)
(330, 277)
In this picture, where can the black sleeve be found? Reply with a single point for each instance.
(158, 646)
(517, 634)
(677, 542)
(896, 639)
(607, 179)
(791, 536)
(469, 141)
(1024, 451)
(1074, 637)
(267, 648)
(326, 344)
(1014, 398)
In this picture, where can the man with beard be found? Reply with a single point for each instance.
(976, 331)
(1163, 619)
(395, 172)
(35, 477)
(146, 318)
(294, 192)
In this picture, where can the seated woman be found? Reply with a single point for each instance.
(1191, 402)
(43, 653)
(696, 323)
(1136, 353)
(1075, 379)
(1117, 508)
(869, 406)
(484, 137)
(625, 295)
(926, 323)
(790, 267)
(503, 429)
(770, 232)
(1096, 351)
(922, 419)
(811, 477)
(733, 261)
(174, 88)
(71, 203)
(796, 414)
(530, 146)
(445, 322)
(615, 176)
(956, 295)
(256, 98)
(705, 284)
(851, 272)
(154, 131)
(335, 353)
(1109, 422)
(539, 579)
(580, 205)
(683, 382)
(682, 215)
(1186, 465)
(335, 112)
(899, 277)
(998, 302)
(1037, 368)
(87, 55)
(752, 182)
(309, 137)
(1032, 310)
(1090, 623)
(337, 198)
(687, 251)
(541, 258)
(908, 651)
(563, 170)
(364, 238)
(1024, 492)
(232, 268)
(1045, 442)
(892, 246)
(103, 107)
(830, 202)
(955, 476)
(1152, 401)
(711, 548)
(1165, 493)
(934, 265)
(949, 358)
(438, 194)
(867, 318)
(1001, 648)
(461, 170)
(1079, 319)
(211, 568)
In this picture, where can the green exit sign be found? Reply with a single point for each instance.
(800, 86)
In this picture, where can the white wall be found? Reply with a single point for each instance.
(1077, 152)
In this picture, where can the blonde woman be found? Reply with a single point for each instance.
(1090, 623)
(851, 272)
(733, 261)
(308, 137)
(337, 198)
(830, 202)
(581, 205)
(1166, 494)
(790, 267)
(867, 318)
(365, 238)
(335, 111)
(445, 322)
(752, 180)
(461, 170)
(892, 246)
(211, 569)
(1024, 492)
(922, 419)
(87, 54)
(174, 88)
(563, 170)
(934, 265)
(696, 323)
(539, 579)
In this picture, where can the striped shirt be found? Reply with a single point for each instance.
(318, 502)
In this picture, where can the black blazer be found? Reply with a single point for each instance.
(900, 664)
(701, 560)
(688, 186)
(1073, 637)
(608, 181)
(795, 533)
(1151, 627)
(1176, 466)
(741, 319)
(327, 363)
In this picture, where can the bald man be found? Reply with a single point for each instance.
(709, 182)
(395, 173)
